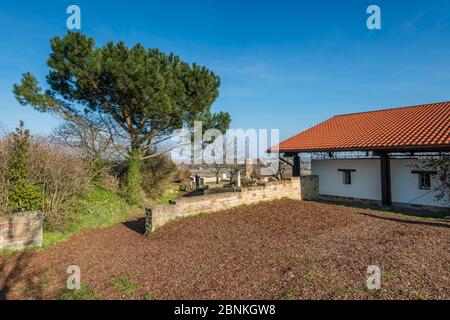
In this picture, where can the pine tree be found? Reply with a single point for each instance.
(137, 94)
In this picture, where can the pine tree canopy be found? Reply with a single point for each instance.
(141, 95)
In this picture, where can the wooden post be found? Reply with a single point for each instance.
(296, 167)
(386, 196)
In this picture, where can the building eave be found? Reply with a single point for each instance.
(386, 149)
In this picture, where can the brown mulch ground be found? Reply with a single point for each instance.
(280, 250)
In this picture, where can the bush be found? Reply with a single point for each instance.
(63, 176)
(157, 173)
(39, 174)
(20, 194)
(3, 177)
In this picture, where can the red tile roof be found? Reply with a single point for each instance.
(406, 128)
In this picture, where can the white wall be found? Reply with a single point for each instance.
(405, 185)
(366, 180)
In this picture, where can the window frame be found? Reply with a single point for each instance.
(421, 174)
(347, 173)
(424, 180)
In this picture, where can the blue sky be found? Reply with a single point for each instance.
(283, 64)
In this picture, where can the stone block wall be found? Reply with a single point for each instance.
(310, 187)
(159, 215)
(21, 230)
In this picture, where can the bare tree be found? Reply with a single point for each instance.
(216, 169)
(95, 146)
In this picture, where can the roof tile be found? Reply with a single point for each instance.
(425, 125)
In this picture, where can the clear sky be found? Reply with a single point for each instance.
(283, 64)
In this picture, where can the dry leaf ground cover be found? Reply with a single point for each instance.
(279, 250)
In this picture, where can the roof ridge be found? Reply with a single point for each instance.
(389, 109)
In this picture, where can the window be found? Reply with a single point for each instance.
(347, 175)
(424, 180)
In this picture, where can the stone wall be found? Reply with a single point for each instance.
(21, 230)
(159, 215)
(309, 187)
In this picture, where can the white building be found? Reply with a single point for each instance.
(360, 179)
(377, 156)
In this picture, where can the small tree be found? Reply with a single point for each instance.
(216, 169)
(22, 194)
(281, 170)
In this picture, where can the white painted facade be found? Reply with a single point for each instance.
(366, 180)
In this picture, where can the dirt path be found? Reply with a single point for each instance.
(280, 250)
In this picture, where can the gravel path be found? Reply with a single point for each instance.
(280, 250)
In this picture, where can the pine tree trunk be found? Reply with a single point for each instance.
(134, 177)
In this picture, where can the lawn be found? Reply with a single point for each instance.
(279, 250)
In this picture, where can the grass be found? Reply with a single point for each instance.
(6, 252)
(415, 295)
(149, 296)
(125, 286)
(204, 266)
(98, 208)
(172, 193)
(85, 293)
(314, 275)
(289, 294)
(10, 252)
(167, 198)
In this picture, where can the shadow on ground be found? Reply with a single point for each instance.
(408, 221)
(418, 213)
(136, 225)
(18, 277)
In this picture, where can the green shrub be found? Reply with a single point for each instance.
(157, 173)
(23, 195)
